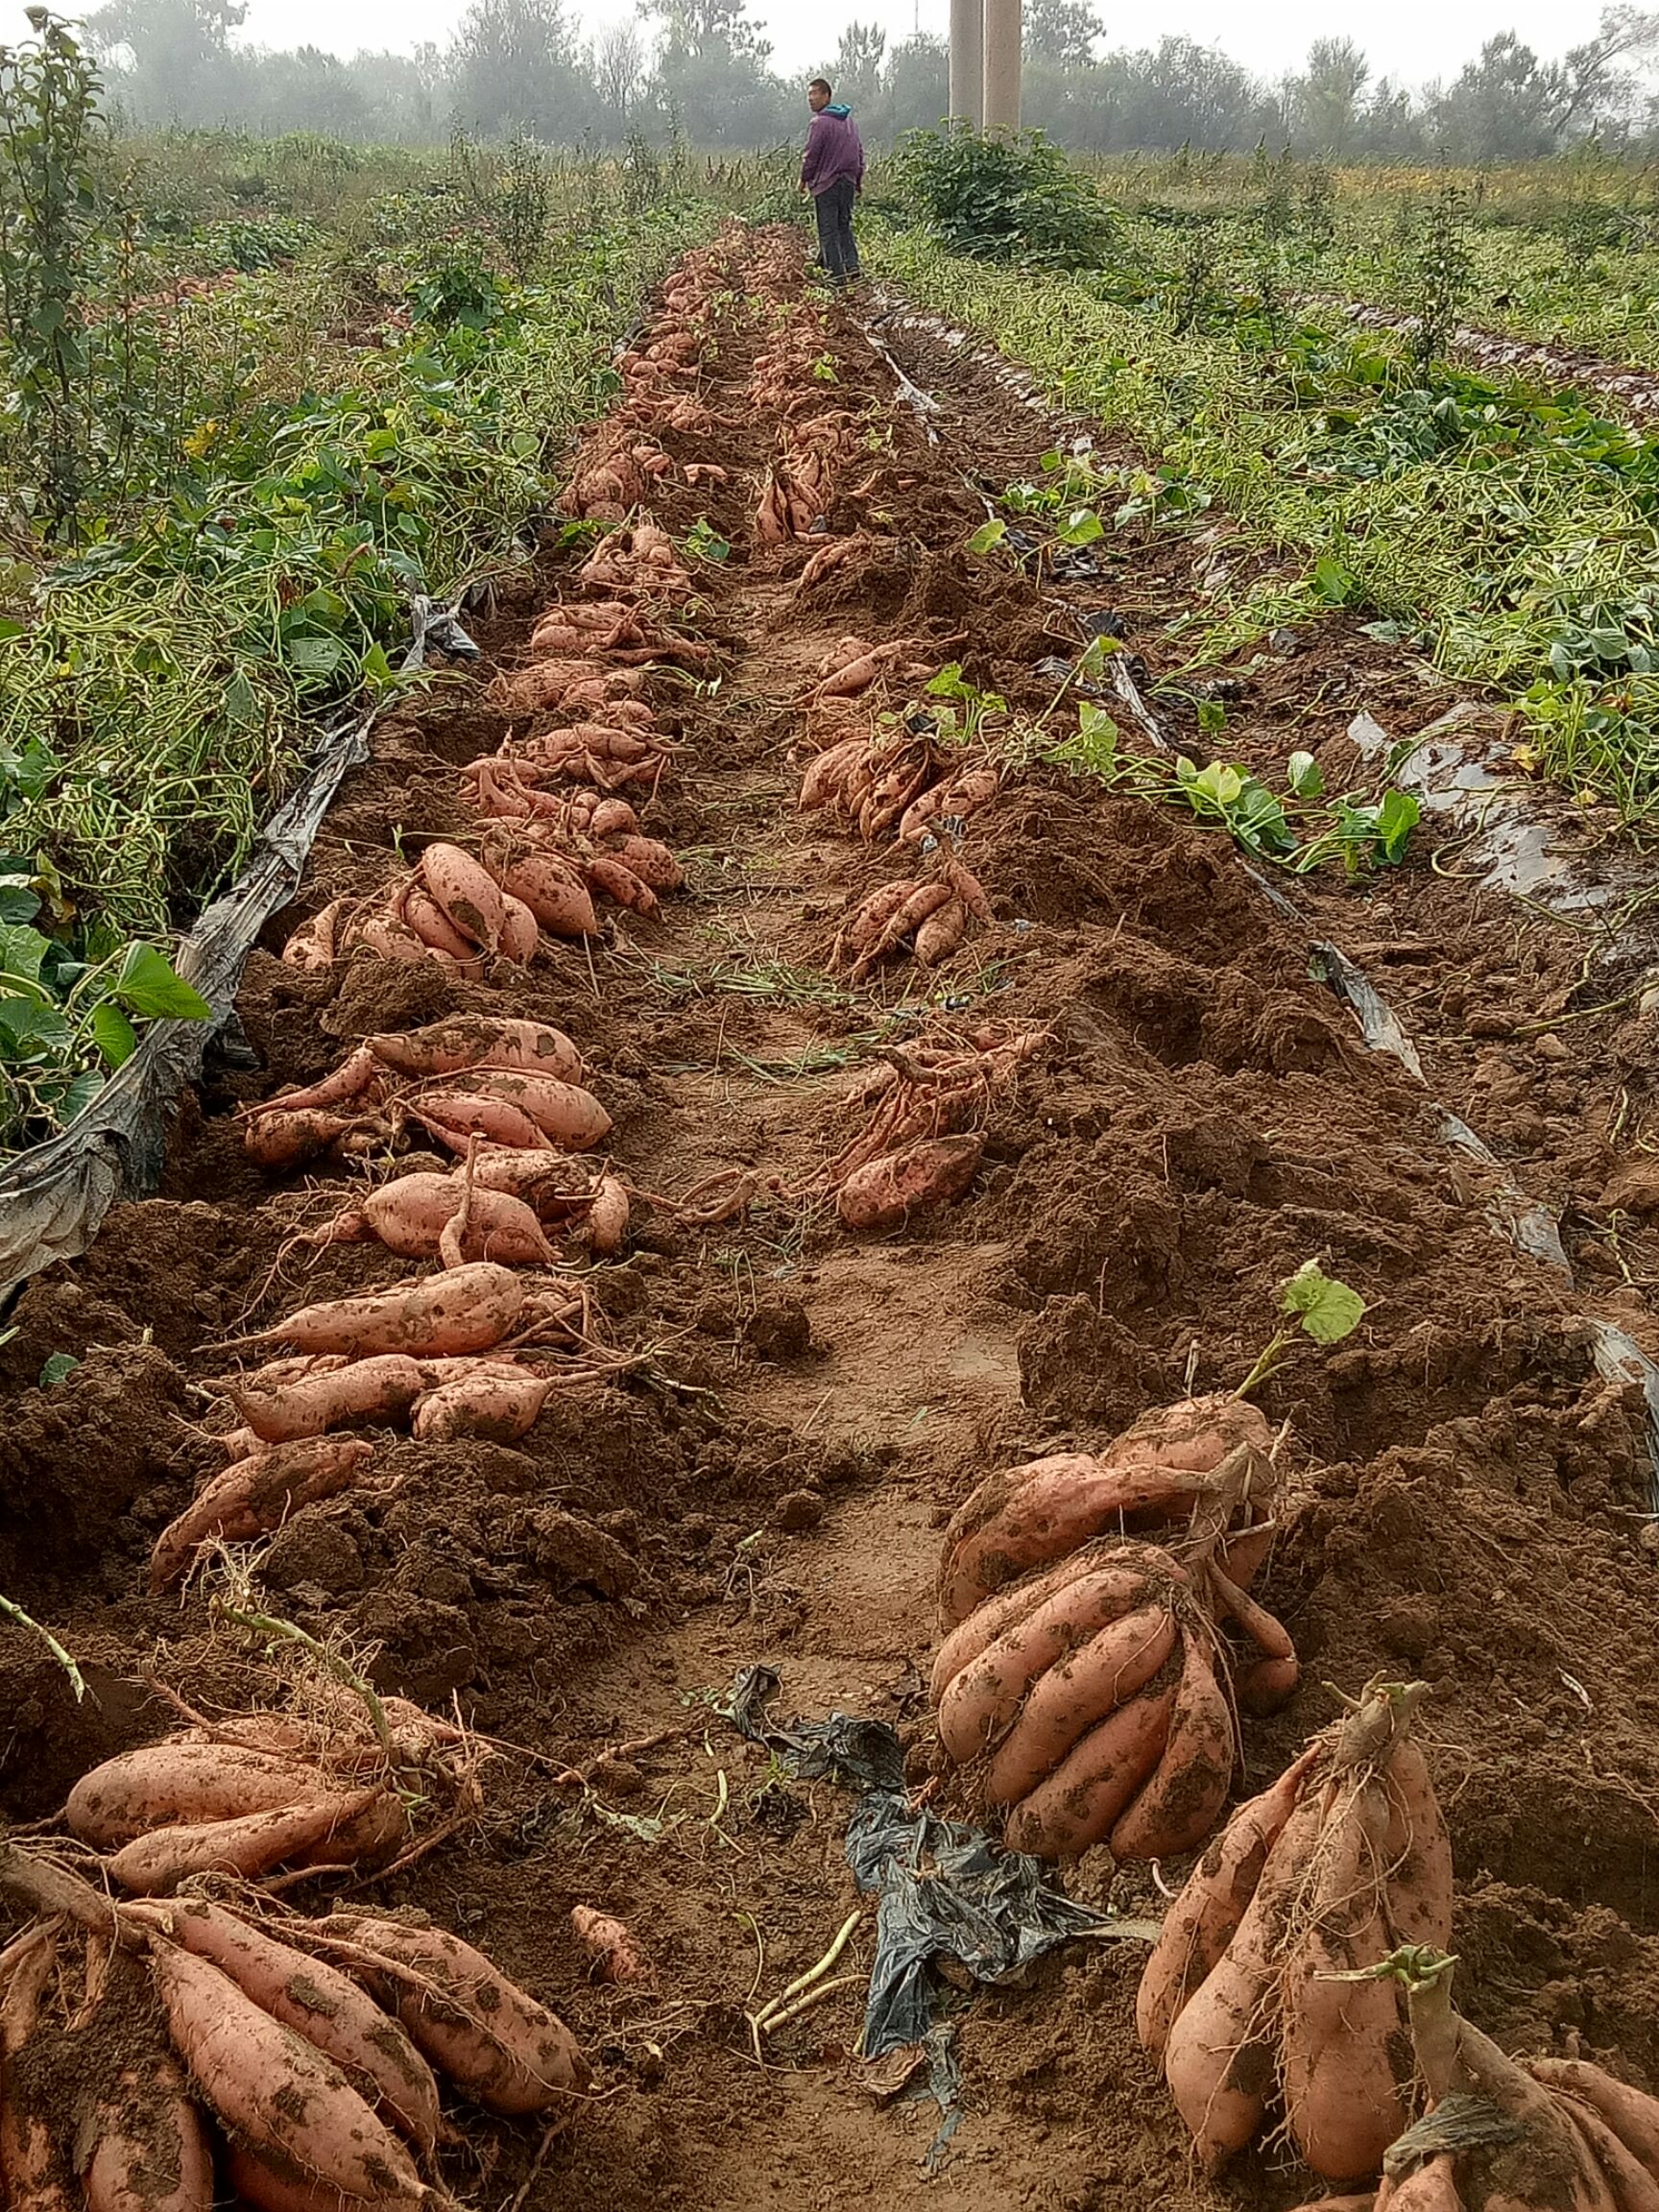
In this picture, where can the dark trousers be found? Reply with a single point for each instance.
(837, 249)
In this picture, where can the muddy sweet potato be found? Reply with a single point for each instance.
(147, 2151)
(155, 1863)
(466, 1309)
(315, 2000)
(411, 1214)
(469, 900)
(457, 1117)
(465, 1041)
(277, 2095)
(1079, 1692)
(616, 1956)
(554, 893)
(254, 1494)
(496, 1404)
(183, 1782)
(494, 2041)
(378, 1389)
(935, 1171)
(568, 1116)
(1180, 1799)
(279, 1139)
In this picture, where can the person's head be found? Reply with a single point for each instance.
(818, 94)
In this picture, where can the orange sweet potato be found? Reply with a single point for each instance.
(376, 1390)
(465, 1310)
(479, 1040)
(456, 1117)
(277, 2094)
(554, 893)
(1079, 1803)
(417, 910)
(1081, 1689)
(254, 1494)
(318, 2000)
(183, 1781)
(494, 2041)
(978, 1707)
(469, 900)
(498, 1404)
(155, 1863)
(571, 1117)
(30, 2171)
(934, 1172)
(1181, 1800)
(278, 1138)
(616, 1956)
(410, 1216)
(147, 2150)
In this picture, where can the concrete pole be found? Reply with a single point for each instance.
(1002, 32)
(968, 61)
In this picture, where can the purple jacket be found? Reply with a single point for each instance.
(834, 149)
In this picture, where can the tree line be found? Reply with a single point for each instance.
(700, 71)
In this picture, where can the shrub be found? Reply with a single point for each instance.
(1004, 198)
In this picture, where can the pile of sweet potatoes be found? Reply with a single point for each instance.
(920, 1146)
(1085, 1682)
(1535, 2135)
(161, 2052)
(1258, 1995)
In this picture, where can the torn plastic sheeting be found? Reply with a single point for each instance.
(943, 1889)
(1620, 1359)
(53, 1198)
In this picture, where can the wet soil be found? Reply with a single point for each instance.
(1467, 1496)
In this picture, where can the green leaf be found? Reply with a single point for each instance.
(60, 1365)
(241, 709)
(1397, 817)
(80, 1094)
(315, 656)
(21, 951)
(988, 536)
(1327, 1310)
(29, 1028)
(1333, 582)
(113, 1033)
(9, 629)
(148, 985)
(1303, 773)
(1081, 527)
(1211, 717)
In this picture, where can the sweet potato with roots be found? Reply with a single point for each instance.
(616, 1956)
(30, 2171)
(356, 1074)
(276, 1137)
(466, 1309)
(255, 1495)
(1079, 1803)
(410, 1216)
(315, 2000)
(155, 1863)
(1080, 1690)
(565, 1113)
(457, 1117)
(498, 1403)
(1341, 1851)
(1151, 1476)
(467, 896)
(554, 893)
(933, 1171)
(184, 1781)
(494, 2041)
(275, 2094)
(380, 1388)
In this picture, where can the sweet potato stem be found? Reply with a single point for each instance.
(278, 1632)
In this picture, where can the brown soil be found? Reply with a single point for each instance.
(1468, 1498)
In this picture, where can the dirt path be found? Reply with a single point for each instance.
(1467, 1495)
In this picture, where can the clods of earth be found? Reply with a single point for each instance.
(945, 1111)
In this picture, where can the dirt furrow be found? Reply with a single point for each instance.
(767, 1481)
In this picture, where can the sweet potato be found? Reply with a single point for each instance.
(417, 910)
(254, 1494)
(494, 2040)
(364, 1839)
(272, 2091)
(570, 1115)
(942, 933)
(992, 1618)
(376, 1390)
(465, 891)
(410, 1216)
(978, 1707)
(1078, 1693)
(277, 1138)
(550, 1184)
(1632, 2116)
(31, 2172)
(495, 1403)
(353, 1076)
(1079, 1804)
(603, 873)
(1340, 2096)
(827, 771)
(1181, 1800)
(317, 2001)
(605, 1228)
(554, 893)
(155, 1863)
(466, 1309)
(616, 1956)
(934, 1172)
(148, 2152)
(456, 1117)
(478, 1041)
(313, 945)
(392, 940)
(649, 859)
(181, 1782)
(1219, 2056)
(1415, 1851)
(1205, 1917)
(520, 931)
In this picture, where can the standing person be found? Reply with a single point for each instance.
(832, 171)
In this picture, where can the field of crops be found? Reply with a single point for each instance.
(884, 1431)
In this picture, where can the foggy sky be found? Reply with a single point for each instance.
(1413, 40)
